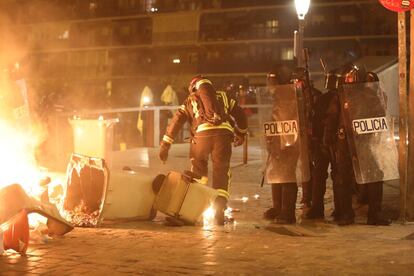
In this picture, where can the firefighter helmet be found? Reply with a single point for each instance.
(272, 79)
(196, 82)
(193, 82)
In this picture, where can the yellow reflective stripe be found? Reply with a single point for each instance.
(225, 101)
(223, 193)
(167, 139)
(182, 107)
(200, 82)
(195, 108)
(232, 103)
(203, 180)
(207, 126)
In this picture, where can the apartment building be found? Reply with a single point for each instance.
(105, 51)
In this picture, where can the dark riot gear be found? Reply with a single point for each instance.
(333, 79)
(350, 148)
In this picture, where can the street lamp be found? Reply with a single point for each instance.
(302, 7)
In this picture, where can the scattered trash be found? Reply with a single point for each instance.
(39, 235)
(293, 230)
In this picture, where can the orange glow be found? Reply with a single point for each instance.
(208, 218)
(17, 161)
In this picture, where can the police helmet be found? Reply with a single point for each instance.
(354, 73)
(272, 79)
(333, 79)
(299, 74)
(371, 77)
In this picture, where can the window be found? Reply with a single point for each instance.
(286, 53)
(347, 18)
(125, 30)
(318, 19)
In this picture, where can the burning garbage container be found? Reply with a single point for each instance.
(93, 138)
(94, 194)
(87, 181)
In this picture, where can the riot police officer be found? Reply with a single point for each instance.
(373, 190)
(286, 145)
(322, 156)
(334, 139)
(355, 161)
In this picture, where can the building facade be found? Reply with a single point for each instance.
(101, 53)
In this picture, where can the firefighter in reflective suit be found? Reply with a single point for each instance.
(216, 123)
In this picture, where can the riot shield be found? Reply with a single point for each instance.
(286, 139)
(369, 132)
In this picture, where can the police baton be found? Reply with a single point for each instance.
(265, 169)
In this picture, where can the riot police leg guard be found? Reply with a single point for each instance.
(336, 213)
(319, 176)
(374, 194)
(273, 212)
(344, 196)
(289, 195)
(307, 193)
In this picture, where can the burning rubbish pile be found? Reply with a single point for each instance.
(15, 207)
(94, 193)
(21, 133)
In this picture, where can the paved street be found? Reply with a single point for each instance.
(251, 246)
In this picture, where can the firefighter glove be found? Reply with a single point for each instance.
(164, 148)
(238, 140)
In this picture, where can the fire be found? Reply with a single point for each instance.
(17, 159)
(208, 218)
(209, 215)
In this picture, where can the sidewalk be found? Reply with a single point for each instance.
(252, 246)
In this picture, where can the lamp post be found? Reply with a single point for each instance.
(302, 7)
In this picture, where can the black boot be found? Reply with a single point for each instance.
(307, 194)
(374, 192)
(273, 212)
(289, 196)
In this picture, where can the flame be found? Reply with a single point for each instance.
(17, 158)
(208, 218)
